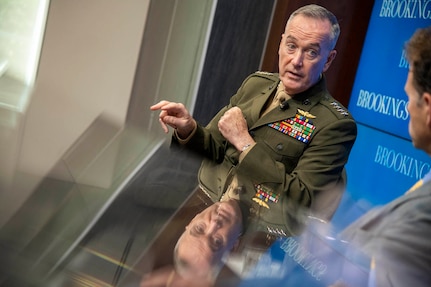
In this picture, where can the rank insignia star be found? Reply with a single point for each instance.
(340, 109)
(264, 73)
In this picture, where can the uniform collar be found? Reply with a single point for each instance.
(304, 101)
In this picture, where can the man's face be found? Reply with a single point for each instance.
(209, 235)
(418, 111)
(304, 53)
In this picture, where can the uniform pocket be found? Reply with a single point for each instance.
(283, 147)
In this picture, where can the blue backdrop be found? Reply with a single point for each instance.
(383, 163)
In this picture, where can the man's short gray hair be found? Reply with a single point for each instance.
(319, 12)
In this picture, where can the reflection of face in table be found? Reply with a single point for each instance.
(208, 237)
(155, 264)
(201, 233)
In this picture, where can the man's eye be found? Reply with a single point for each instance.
(311, 54)
(199, 229)
(290, 47)
(216, 243)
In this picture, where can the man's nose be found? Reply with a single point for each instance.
(216, 223)
(298, 58)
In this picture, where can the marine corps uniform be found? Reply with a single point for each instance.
(296, 167)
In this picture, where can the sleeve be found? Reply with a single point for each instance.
(403, 254)
(208, 140)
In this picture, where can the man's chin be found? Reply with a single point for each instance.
(231, 206)
(293, 86)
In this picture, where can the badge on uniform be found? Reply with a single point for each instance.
(299, 127)
(339, 108)
(264, 195)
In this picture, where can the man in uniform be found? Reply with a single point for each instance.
(282, 142)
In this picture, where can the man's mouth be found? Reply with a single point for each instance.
(294, 75)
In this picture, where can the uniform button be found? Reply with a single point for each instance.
(252, 134)
(279, 146)
(306, 102)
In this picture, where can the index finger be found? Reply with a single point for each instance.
(159, 105)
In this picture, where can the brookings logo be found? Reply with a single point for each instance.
(401, 163)
(383, 104)
(304, 258)
(406, 9)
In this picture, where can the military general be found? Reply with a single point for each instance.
(281, 144)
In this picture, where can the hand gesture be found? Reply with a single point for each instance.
(176, 116)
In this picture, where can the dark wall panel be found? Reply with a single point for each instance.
(235, 50)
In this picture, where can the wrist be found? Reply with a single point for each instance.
(184, 136)
(245, 150)
(245, 147)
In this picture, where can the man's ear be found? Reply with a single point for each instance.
(329, 60)
(236, 245)
(426, 99)
(281, 44)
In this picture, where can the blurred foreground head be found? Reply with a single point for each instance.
(209, 236)
(418, 88)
